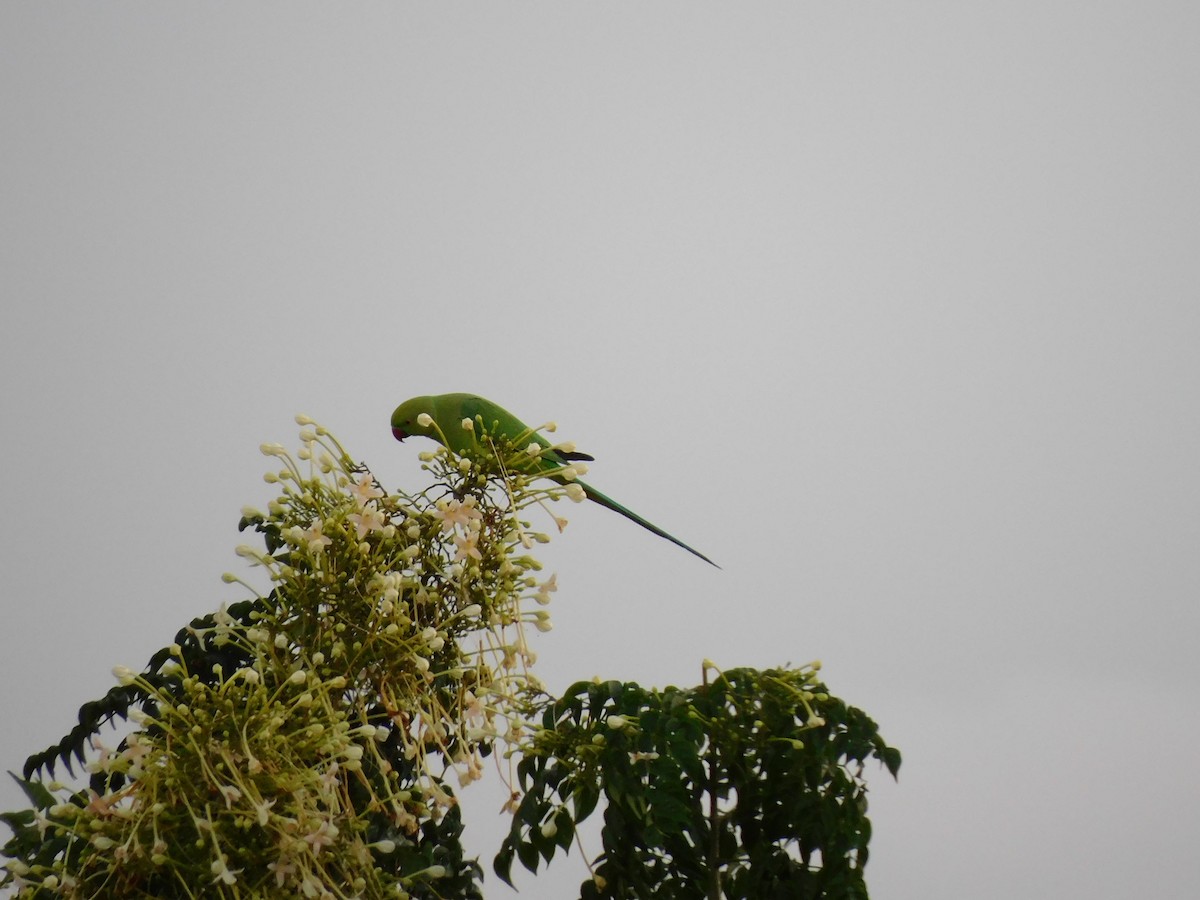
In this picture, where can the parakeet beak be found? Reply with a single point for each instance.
(399, 433)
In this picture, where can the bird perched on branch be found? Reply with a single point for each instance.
(445, 418)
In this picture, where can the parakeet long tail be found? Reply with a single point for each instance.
(596, 497)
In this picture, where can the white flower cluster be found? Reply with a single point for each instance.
(390, 647)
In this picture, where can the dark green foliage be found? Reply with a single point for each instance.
(746, 787)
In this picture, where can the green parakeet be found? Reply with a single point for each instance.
(446, 413)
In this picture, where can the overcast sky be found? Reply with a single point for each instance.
(891, 309)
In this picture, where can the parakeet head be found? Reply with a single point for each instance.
(408, 417)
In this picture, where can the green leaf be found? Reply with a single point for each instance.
(528, 854)
(566, 830)
(502, 864)
(891, 759)
(35, 791)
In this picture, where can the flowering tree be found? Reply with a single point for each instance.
(308, 741)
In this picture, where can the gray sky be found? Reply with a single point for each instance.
(891, 309)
